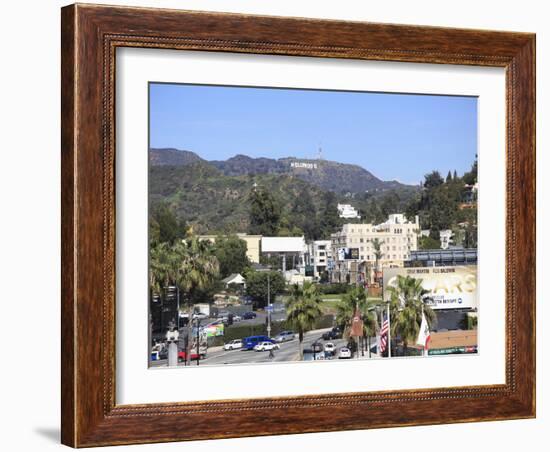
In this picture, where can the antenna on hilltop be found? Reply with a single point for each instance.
(320, 153)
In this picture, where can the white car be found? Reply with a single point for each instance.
(329, 347)
(233, 345)
(237, 318)
(266, 346)
(345, 353)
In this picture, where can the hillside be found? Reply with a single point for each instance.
(213, 202)
(325, 174)
(173, 157)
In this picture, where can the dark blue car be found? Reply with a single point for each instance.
(251, 341)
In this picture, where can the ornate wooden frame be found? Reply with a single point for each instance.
(90, 35)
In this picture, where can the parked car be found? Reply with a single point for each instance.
(249, 315)
(266, 346)
(200, 315)
(234, 344)
(237, 318)
(284, 336)
(344, 353)
(251, 341)
(334, 333)
(330, 348)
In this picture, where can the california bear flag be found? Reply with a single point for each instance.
(424, 333)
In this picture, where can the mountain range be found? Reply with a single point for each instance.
(325, 174)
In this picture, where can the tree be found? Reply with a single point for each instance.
(162, 268)
(378, 254)
(428, 243)
(303, 309)
(197, 269)
(390, 203)
(304, 214)
(407, 304)
(231, 254)
(329, 218)
(356, 298)
(257, 283)
(432, 180)
(265, 212)
(165, 227)
(449, 177)
(470, 177)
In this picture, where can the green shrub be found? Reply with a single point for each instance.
(335, 288)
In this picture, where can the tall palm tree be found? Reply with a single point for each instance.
(407, 303)
(163, 266)
(356, 298)
(303, 309)
(197, 268)
(378, 254)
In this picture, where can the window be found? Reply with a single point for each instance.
(361, 240)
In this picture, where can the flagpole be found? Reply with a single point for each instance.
(379, 337)
(424, 346)
(389, 332)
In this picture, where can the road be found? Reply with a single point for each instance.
(289, 351)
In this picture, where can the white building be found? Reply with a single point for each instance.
(321, 253)
(446, 238)
(397, 238)
(292, 249)
(234, 278)
(347, 211)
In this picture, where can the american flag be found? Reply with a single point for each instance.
(383, 340)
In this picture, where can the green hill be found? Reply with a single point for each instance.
(213, 202)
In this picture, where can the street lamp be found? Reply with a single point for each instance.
(269, 307)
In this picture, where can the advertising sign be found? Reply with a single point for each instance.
(448, 287)
(345, 254)
(213, 330)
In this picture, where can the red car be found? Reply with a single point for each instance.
(194, 356)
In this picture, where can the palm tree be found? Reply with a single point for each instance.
(303, 309)
(407, 303)
(161, 268)
(197, 268)
(377, 244)
(356, 298)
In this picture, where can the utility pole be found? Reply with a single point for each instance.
(268, 305)
(198, 340)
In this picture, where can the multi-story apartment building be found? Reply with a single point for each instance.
(321, 253)
(397, 238)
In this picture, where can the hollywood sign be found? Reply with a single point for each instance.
(303, 165)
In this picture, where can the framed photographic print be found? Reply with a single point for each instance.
(266, 218)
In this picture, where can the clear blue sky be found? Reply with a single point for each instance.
(395, 136)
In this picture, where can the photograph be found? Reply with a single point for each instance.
(291, 224)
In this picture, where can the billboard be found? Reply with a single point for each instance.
(448, 287)
(213, 330)
(345, 254)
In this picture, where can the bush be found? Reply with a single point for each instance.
(335, 288)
